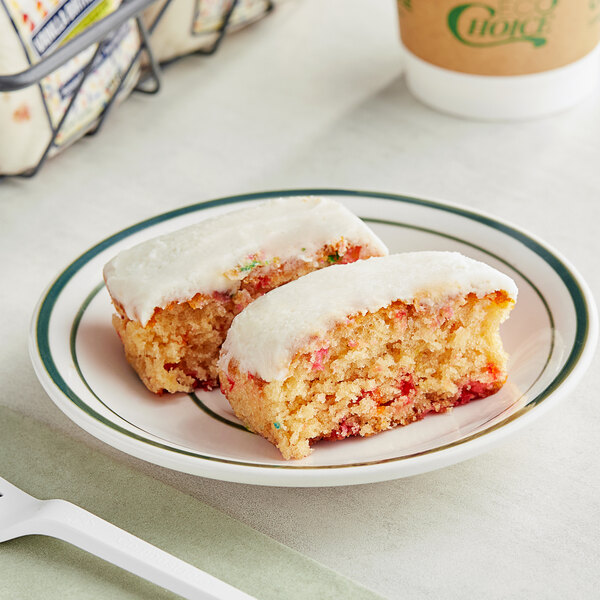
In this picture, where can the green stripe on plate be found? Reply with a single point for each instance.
(569, 280)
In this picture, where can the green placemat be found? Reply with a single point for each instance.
(50, 465)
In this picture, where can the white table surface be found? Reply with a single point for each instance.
(314, 97)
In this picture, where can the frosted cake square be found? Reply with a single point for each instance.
(360, 348)
(176, 295)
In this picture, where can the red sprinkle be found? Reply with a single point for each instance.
(373, 394)
(221, 296)
(207, 386)
(405, 384)
(344, 430)
(352, 255)
(473, 391)
(263, 282)
(318, 357)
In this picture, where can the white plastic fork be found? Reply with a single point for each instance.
(22, 514)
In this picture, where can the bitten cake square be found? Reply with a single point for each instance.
(360, 348)
(176, 295)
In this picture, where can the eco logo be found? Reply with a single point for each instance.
(481, 25)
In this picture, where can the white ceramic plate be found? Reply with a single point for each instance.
(550, 337)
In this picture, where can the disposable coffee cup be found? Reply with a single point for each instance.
(501, 59)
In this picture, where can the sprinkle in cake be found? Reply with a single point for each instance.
(176, 295)
(360, 348)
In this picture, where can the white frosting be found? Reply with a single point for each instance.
(200, 258)
(265, 336)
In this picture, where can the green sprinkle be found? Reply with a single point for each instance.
(276, 425)
(303, 249)
(250, 266)
(333, 257)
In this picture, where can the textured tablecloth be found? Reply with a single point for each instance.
(49, 465)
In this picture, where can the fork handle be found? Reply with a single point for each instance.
(70, 523)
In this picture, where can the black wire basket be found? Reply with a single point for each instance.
(210, 20)
(99, 36)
